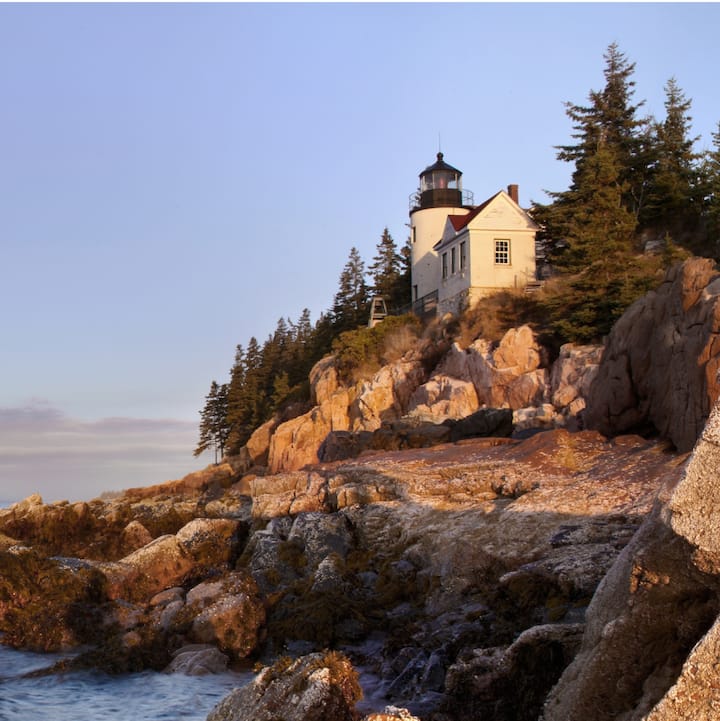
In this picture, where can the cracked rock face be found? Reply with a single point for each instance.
(660, 365)
(651, 644)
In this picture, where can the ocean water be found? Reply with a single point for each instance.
(92, 696)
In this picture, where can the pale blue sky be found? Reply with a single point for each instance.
(176, 177)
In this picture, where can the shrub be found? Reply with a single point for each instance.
(361, 352)
(491, 317)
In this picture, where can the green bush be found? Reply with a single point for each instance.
(363, 351)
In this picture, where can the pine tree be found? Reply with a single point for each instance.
(281, 389)
(214, 428)
(594, 224)
(385, 269)
(610, 158)
(245, 396)
(711, 188)
(254, 385)
(600, 226)
(351, 306)
(237, 413)
(300, 351)
(401, 294)
(673, 204)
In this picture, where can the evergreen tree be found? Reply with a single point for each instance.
(254, 384)
(245, 396)
(673, 204)
(213, 421)
(600, 226)
(590, 219)
(711, 180)
(610, 149)
(351, 306)
(300, 352)
(385, 269)
(401, 296)
(281, 389)
(238, 412)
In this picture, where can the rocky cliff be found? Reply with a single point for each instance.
(561, 575)
(450, 575)
(650, 648)
(514, 374)
(661, 361)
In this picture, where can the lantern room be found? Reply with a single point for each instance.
(440, 186)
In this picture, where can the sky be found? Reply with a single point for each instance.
(175, 178)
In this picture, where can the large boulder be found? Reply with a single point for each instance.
(510, 684)
(210, 542)
(201, 546)
(386, 396)
(444, 397)
(161, 564)
(324, 380)
(509, 375)
(571, 378)
(660, 366)
(317, 687)
(257, 447)
(295, 443)
(48, 604)
(198, 660)
(227, 613)
(288, 494)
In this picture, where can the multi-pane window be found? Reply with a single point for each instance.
(463, 256)
(444, 266)
(502, 252)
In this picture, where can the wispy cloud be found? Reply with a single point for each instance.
(42, 450)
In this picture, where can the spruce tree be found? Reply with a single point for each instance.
(610, 148)
(599, 225)
(254, 384)
(351, 306)
(214, 428)
(386, 267)
(673, 202)
(238, 412)
(711, 194)
(300, 352)
(245, 395)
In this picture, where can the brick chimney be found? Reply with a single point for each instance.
(514, 193)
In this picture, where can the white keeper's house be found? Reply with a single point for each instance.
(461, 251)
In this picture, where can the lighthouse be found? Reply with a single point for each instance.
(440, 194)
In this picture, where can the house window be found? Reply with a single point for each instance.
(453, 263)
(502, 252)
(444, 265)
(415, 292)
(463, 256)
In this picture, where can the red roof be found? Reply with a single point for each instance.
(461, 221)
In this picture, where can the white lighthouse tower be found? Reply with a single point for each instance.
(440, 194)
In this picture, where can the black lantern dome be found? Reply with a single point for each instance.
(440, 185)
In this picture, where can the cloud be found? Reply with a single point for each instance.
(42, 450)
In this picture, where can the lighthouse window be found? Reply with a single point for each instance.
(444, 266)
(502, 252)
(463, 256)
